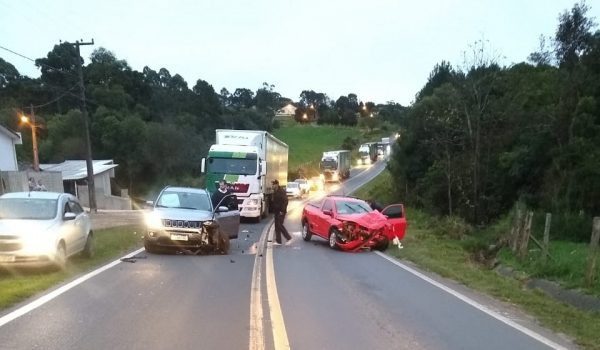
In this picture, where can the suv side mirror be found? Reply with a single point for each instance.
(69, 216)
(328, 212)
(222, 209)
(202, 165)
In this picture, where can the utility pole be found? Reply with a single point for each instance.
(36, 159)
(88, 143)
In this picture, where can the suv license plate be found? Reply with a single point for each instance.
(7, 258)
(175, 237)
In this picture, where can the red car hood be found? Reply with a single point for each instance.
(373, 220)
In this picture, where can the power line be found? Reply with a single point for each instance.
(40, 63)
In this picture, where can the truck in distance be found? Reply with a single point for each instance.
(367, 153)
(335, 165)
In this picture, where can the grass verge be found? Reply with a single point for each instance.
(451, 258)
(20, 284)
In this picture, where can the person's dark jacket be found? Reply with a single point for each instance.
(280, 201)
(217, 196)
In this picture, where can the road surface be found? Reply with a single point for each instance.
(299, 296)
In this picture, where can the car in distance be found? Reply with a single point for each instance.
(350, 224)
(304, 185)
(292, 189)
(43, 228)
(181, 216)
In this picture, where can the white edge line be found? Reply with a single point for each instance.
(257, 337)
(55, 293)
(280, 338)
(476, 305)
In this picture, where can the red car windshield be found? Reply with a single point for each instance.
(352, 207)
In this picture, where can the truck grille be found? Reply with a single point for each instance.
(182, 223)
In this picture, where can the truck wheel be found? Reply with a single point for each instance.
(333, 238)
(306, 234)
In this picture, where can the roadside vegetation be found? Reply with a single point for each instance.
(18, 285)
(448, 246)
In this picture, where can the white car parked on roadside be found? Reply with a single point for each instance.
(43, 228)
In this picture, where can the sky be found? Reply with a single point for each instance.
(381, 50)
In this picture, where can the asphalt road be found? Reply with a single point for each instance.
(303, 296)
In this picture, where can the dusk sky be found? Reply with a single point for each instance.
(380, 50)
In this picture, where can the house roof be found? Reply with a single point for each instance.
(77, 169)
(9, 133)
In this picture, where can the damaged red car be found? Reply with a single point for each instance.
(350, 224)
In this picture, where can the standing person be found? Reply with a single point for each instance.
(374, 205)
(32, 184)
(279, 206)
(220, 193)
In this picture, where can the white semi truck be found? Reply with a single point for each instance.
(248, 160)
(335, 165)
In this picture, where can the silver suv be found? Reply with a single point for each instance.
(180, 216)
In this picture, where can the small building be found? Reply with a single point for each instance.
(8, 153)
(74, 176)
(288, 110)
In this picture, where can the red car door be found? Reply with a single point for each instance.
(396, 221)
(320, 224)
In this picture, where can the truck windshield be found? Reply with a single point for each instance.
(329, 164)
(235, 166)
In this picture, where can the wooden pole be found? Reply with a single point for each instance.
(545, 247)
(516, 231)
(591, 268)
(525, 236)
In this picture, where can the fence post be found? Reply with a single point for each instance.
(524, 239)
(516, 231)
(591, 268)
(546, 238)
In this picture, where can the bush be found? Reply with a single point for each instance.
(453, 227)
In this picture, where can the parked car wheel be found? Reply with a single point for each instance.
(333, 238)
(90, 246)
(60, 257)
(306, 234)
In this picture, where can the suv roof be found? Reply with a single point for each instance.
(184, 189)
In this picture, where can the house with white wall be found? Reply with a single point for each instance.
(8, 153)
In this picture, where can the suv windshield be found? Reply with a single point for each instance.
(292, 185)
(28, 208)
(184, 200)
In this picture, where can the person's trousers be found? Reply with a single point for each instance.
(280, 229)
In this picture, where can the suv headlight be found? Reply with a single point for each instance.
(153, 220)
(253, 201)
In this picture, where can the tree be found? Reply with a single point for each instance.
(8, 73)
(573, 35)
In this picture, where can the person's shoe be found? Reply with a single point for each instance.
(289, 241)
(276, 243)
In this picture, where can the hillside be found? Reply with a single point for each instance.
(307, 143)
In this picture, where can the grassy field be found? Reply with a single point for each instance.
(307, 143)
(452, 258)
(18, 285)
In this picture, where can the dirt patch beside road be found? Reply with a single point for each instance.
(108, 219)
